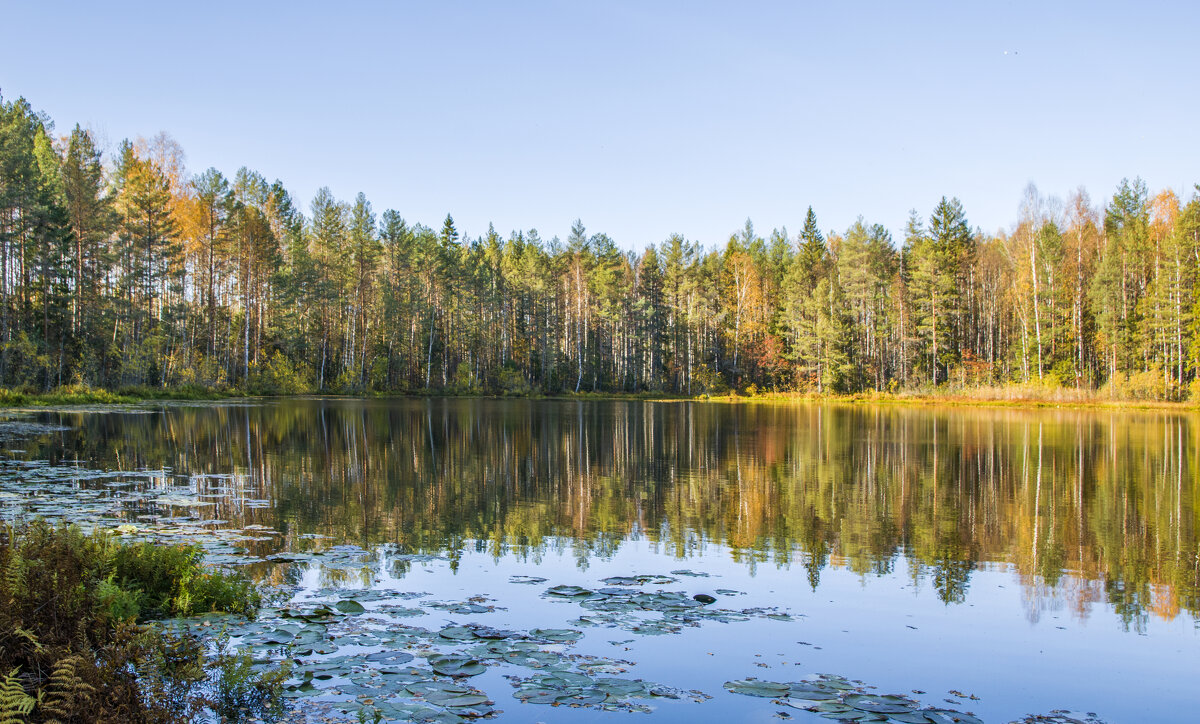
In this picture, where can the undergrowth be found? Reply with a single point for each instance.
(75, 646)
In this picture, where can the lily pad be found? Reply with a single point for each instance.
(568, 591)
(389, 658)
(528, 580)
(456, 666)
(877, 704)
(349, 606)
(537, 695)
(457, 633)
(755, 687)
(556, 635)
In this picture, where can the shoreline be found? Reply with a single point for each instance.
(992, 398)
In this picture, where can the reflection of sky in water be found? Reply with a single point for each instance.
(1066, 538)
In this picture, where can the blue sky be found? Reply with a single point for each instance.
(640, 118)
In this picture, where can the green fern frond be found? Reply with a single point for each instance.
(30, 637)
(65, 693)
(15, 704)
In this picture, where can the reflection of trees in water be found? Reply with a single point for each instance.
(1108, 498)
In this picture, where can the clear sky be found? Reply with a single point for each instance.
(641, 118)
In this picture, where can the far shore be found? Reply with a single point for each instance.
(1010, 397)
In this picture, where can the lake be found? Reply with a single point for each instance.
(431, 556)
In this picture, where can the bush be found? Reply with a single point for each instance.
(511, 381)
(276, 376)
(1145, 385)
(708, 381)
(73, 649)
(169, 581)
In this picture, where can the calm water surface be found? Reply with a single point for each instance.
(1037, 560)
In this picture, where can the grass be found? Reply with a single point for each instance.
(1013, 395)
(1016, 397)
(78, 395)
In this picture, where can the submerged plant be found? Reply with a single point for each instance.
(239, 690)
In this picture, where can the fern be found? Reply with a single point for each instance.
(15, 704)
(29, 637)
(13, 581)
(65, 693)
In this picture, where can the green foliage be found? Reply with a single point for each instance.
(117, 602)
(66, 690)
(276, 376)
(510, 381)
(72, 395)
(1148, 384)
(15, 704)
(134, 393)
(174, 674)
(169, 581)
(707, 381)
(72, 600)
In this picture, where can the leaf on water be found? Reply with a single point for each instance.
(568, 591)
(349, 606)
(537, 695)
(457, 633)
(450, 698)
(583, 697)
(391, 658)
(529, 580)
(556, 635)
(451, 665)
(877, 704)
(755, 687)
(496, 634)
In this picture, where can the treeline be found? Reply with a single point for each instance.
(128, 271)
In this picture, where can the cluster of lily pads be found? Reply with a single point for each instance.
(353, 656)
(603, 692)
(624, 603)
(842, 699)
(836, 697)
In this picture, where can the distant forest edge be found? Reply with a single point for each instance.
(129, 272)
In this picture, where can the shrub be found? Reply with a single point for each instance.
(69, 610)
(277, 376)
(707, 380)
(510, 381)
(169, 581)
(1144, 385)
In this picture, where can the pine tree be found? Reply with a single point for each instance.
(210, 212)
(149, 253)
(90, 216)
(365, 250)
(330, 264)
(651, 329)
(939, 262)
(1120, 279)
(811, 257)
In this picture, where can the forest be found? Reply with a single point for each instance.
(122, 270)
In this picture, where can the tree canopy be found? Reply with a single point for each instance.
(125, 270)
